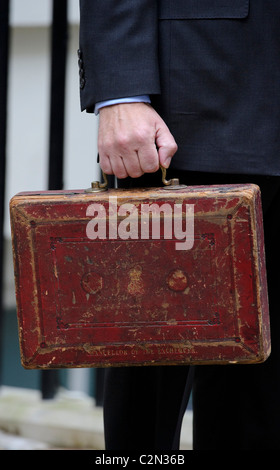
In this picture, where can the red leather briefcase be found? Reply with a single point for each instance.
(169, 275)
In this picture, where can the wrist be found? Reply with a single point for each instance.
(131, 99)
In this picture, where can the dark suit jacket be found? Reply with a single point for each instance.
(211, 67)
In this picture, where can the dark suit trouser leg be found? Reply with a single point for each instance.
(238, 407)
(142, 407)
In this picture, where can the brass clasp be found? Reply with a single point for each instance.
(97, 187)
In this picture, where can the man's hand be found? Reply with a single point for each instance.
(133, 140)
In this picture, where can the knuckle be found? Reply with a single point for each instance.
(103, 148)
(123, 141)
(142, 135)
(175, 147)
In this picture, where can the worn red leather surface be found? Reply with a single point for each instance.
(85, 302)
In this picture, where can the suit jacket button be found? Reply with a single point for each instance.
(82, 83)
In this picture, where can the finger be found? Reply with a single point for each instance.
(148, 158)
(166, 144)
(118, 167)
(105, 164)
(132, 164)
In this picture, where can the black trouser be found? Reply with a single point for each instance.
(234, 407)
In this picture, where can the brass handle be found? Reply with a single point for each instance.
(172, 182)
(96, 186)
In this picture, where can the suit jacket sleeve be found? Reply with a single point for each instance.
(118, 50)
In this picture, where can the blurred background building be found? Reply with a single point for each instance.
(27, 152)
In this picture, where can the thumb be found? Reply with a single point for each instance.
(166, 145)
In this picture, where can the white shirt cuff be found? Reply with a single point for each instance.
(131, 99)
